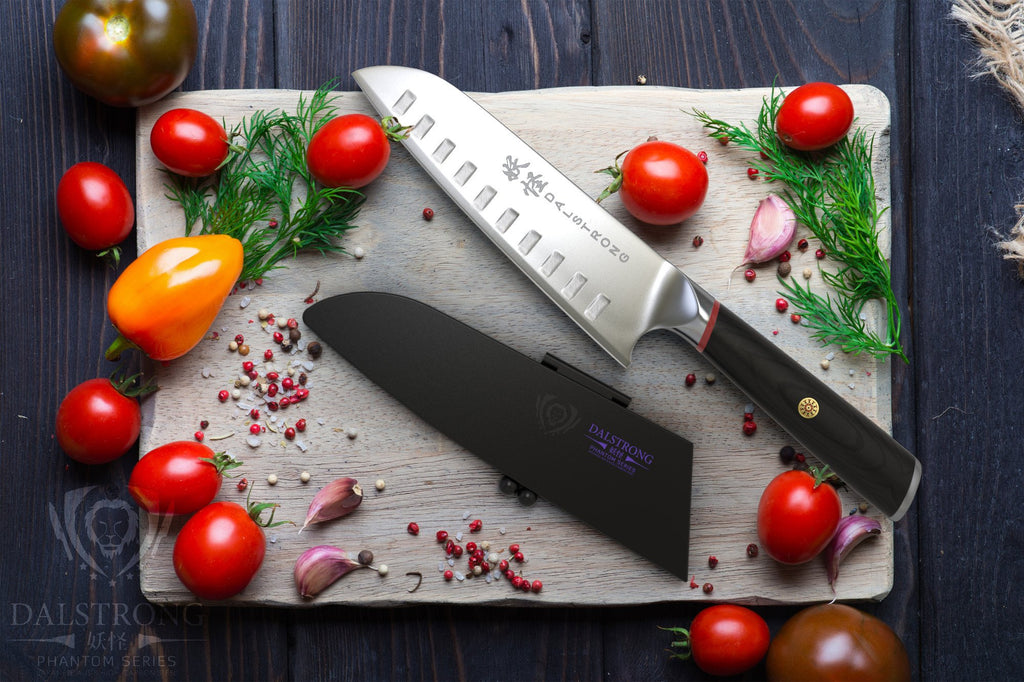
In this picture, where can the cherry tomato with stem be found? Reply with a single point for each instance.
(94, 206)
(660, 183)
(99, 420)
(814, 116)
(723, 640)
(352, 150)
(797, 515)
(126, 53)
(178, 478)
(189, 142)
(221, 547)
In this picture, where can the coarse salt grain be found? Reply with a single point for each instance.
(253, 441)
(244, 303)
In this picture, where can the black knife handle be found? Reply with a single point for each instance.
(860, 452)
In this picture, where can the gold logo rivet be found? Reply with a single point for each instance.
(808, 408)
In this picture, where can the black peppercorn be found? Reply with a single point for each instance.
(365, 557)
(314, 349)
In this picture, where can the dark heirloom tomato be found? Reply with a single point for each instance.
(126, 53)
(836, 642)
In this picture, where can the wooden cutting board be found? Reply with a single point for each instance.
(357, 430)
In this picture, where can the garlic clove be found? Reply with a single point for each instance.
(852, 531)
(771, 230)
(338, 498)
(320, 567)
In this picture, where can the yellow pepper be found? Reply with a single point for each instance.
(165, 301)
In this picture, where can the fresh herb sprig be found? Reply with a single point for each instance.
(833, 194)
(264, 194)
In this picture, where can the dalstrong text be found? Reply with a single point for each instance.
(620, 447)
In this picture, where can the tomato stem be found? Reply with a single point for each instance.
(120, 344)
(682, 643)
(393, 129)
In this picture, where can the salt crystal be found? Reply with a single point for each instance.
(206, 372)
(301, 445)
(253, 441)
(830, 357)
(451, 562)
(273, 539)
(321, 421)
(852, 386)
(749, 407)
(458, 536)
(501, 531)
(244, 303)
(459, 576)
(440, 567)
(465, 515)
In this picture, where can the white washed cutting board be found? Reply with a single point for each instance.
(447, 263)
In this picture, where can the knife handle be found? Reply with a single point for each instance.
(860, 452)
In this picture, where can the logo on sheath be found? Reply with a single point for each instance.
(808, 408)
(618, 452)
(556, 417)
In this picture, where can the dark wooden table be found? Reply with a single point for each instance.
(957, 172)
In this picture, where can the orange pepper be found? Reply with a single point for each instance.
(165, 301)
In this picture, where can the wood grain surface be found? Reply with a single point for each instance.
(956, 172)
(446, 263)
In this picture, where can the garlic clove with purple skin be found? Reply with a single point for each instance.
(320, 567)
(852, 531)
(771, 230)
(338, 498)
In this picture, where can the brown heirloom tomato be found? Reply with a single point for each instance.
(836, 642)
(126, 53)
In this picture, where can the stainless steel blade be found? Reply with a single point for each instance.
(615, 286)
(612, 284)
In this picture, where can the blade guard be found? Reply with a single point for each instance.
(550, 427)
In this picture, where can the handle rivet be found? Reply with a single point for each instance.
(808, 408)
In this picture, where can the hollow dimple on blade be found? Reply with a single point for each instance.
(603, 276)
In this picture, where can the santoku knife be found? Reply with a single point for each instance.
(616, 287)
(552, 428)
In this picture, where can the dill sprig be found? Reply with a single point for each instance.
(264, 194)
(833, 194)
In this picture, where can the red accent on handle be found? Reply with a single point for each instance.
(708, 329)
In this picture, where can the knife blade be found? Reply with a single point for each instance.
(617, 288)
(548, 426)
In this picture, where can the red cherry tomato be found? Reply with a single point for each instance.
(814, 116)
(662, 183)
(797, 516)
(178, 478)
(94, 206)
(97, 423)
(348, 151)
(189, 142)
(219, 550)
(126, 53)
(725, 640)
